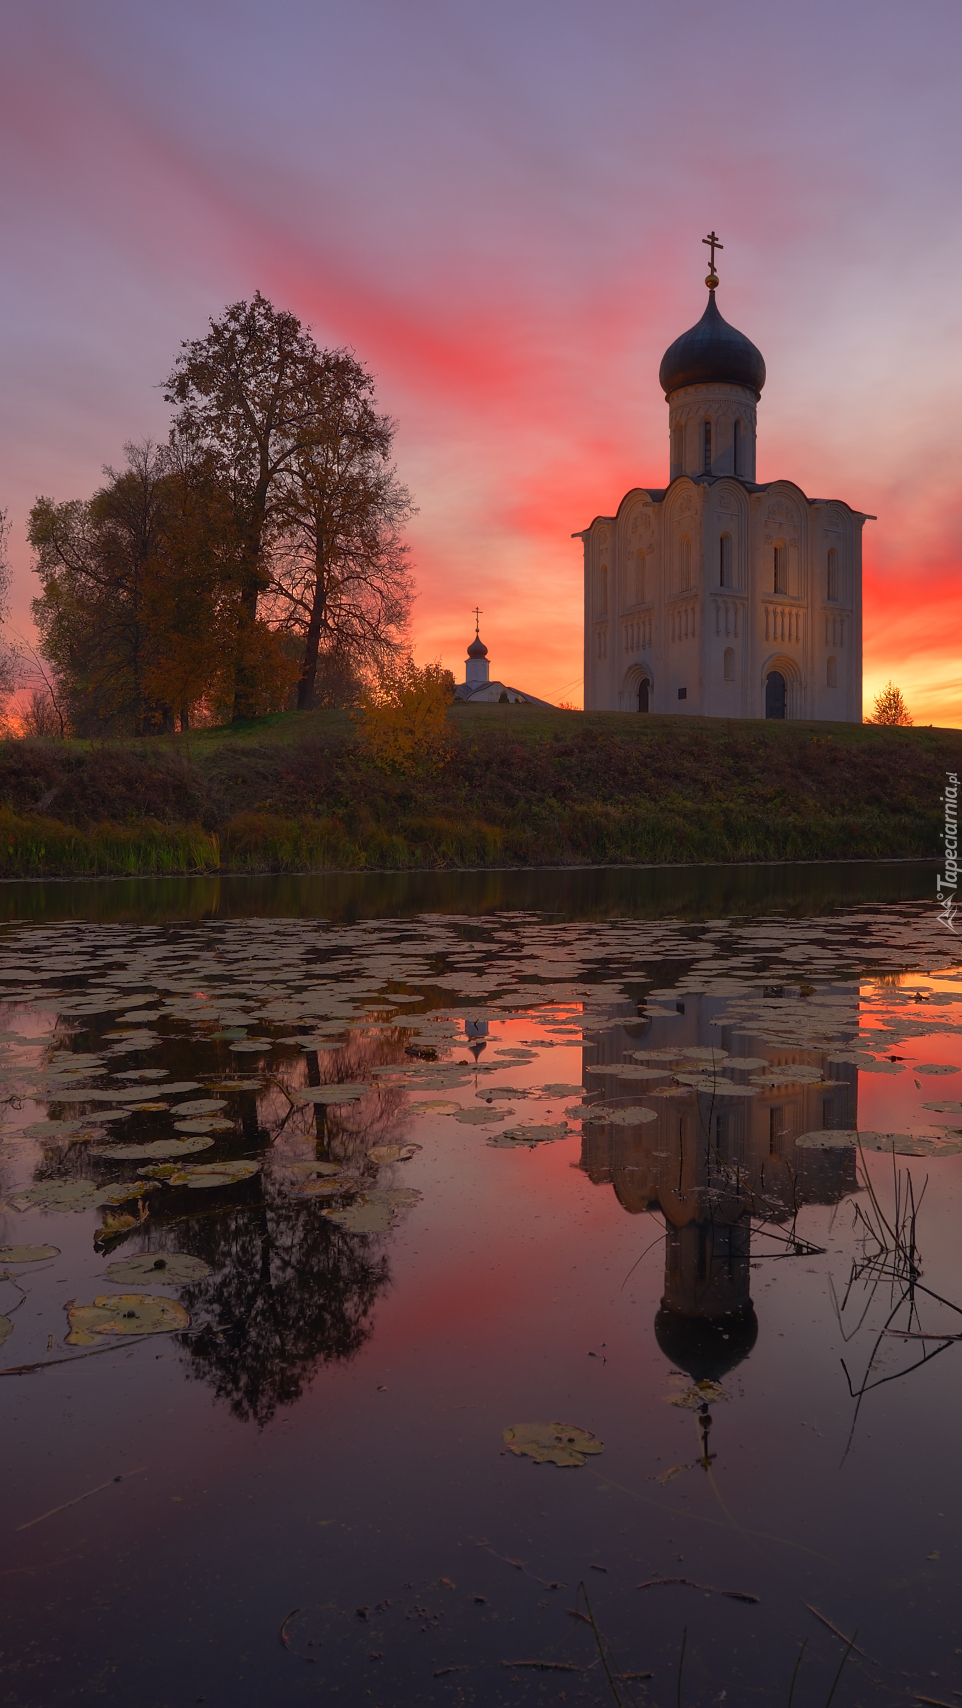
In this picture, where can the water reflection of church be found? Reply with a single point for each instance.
(711, 1168)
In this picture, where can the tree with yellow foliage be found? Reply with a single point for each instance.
(889, 708)
(403, 725)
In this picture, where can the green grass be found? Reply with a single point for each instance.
(525, 787)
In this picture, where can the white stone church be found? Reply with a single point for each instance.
(717, 596)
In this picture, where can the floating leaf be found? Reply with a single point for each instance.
(204, 1124)
(252, 1046)
(513, 1137)
(170, 1268)
(903, 1144)
(499, 1093)
(552, 1443)
(373, 1212)
(561, 1090)
(932, 1067)
(213, 1174)
(436, 1107)
(346, 1093)
(75, 1131)
(200, 1106)
(154, 1149)
(124, 1313)
(392, 1153)
(944, 1108)
(633, 1116)
(703, 1393)
(482, 1117)
(27, 1253)
(6, 1329)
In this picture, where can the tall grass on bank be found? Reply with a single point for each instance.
(35, 847)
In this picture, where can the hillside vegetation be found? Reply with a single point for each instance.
(524, 787)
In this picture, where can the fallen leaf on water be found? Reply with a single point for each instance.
(393, 1153)
(27, 1253)
(552, 1443)
(373, 1212)
(672, 1471)
(6, 1328)
(124, 1313)
(172, 1268)
(703, 1393)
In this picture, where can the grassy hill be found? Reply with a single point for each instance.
(526, 787)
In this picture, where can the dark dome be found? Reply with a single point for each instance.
(477, 649)
(712, 353)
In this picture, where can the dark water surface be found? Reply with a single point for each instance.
(236, 1112)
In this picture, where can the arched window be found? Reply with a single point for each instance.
(706, 455)
(725, 561)
(729, 664)
(781, 569)
(737, 449)
(832, 588)
(685, 562)
(831, 673)
(677, 451)
(644, 688)
(603, 592)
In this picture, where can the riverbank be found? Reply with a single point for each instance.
(524, 787)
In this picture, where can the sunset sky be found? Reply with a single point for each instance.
(500, 208)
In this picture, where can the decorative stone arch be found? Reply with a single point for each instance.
(632, 692)
(779, 664)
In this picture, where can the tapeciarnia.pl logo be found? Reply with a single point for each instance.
(947, 884)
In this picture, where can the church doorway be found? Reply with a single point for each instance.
(775, 694)
(643, 688)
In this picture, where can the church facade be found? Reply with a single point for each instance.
(718, 595)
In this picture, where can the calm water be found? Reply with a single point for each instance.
(363, 1173)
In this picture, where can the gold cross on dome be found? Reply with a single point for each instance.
(713, 244)
(477, 615)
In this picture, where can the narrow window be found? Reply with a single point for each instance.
(725, 561)
(781, 569)
(677, 451)
(729, 664)
(831, 673)
(603, 592)
(706, 463)
(737, 448)
(686, 562)
(833, 574)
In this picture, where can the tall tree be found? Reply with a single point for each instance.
(340, 576)
(140, 602)
(248, 393)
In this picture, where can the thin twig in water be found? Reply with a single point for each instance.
(681, 1662)
(100, 1486)
(706, 1588)
(601, 1650)
(791, 1688)
(834, 1629)
(851, 1646)
(543, 1666)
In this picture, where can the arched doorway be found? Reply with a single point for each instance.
(643, 688)
(775, 694)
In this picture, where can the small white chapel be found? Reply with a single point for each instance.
(716, 595)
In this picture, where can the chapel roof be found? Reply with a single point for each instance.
(712, 353)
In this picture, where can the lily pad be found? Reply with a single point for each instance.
(482, 1117)
(373, 1212)
(124, 1313)
(434, 1107)
(513, 1137)
(903, 1144)
(746, 1063)
(170, 1268)
(633, 1116)
(704, 1392)
(392, 1153)
(346, 1093)
(499, 1093)
(200, 1106)
(72, 1130)
(252, 1046)
(6, 1329)
(932, 1067)
(27, 1253)
(154, 1150)
(214, 1174)
(940, 1108)
(562, 1090)
(552, 1443)
(72, 1195)
(203, 1124)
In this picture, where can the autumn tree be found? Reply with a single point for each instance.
(140, 609)
(403, 724)
(248, 394)
(889, 708)
(339, 573)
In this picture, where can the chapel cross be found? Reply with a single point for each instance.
(713, 244)
(477, 615)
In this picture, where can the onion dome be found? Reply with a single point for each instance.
(712, 353)
(477, 649)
